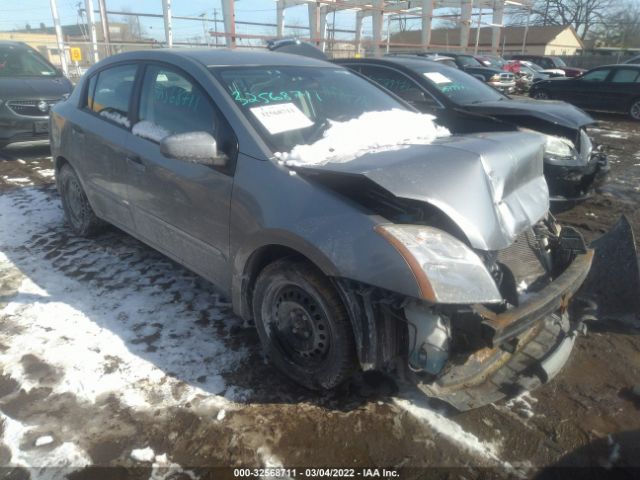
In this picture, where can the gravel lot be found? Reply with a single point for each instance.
(112, 355)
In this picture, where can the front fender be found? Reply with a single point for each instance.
(270, 206)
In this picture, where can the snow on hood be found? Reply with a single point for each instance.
(370, 132)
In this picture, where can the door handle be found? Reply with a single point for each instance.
(136, 162)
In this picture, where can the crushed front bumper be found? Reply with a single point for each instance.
(526, 346)
(574, 184)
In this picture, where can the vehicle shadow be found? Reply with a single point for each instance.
(615, 456)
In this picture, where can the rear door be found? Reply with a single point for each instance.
(622, 88)
(592, 89)
(181, 208)
(99, 134)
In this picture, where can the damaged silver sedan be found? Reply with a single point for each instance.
(353, 240)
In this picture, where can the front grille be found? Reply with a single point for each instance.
(522, 259)
(31, 108)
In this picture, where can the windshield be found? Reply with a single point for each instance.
(292, 106)
(459, 87)
(559, 62)
(18, 61)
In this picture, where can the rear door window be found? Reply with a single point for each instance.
(112, 94)
(625, 75)
(396, 82)
(596, 75)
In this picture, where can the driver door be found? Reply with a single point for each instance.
(180, 207)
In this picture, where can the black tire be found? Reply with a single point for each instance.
(77, 210)
(303, 325)
(634, 110)
(541, 95)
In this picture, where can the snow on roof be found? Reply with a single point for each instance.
(370, 132)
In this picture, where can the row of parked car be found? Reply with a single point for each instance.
(379, 246)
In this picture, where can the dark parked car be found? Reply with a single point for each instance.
(549, 62)
(29, 86)
(497, 78)
(437, 258)
(612, 88)
(465, 105)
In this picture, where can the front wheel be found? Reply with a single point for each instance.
(77, 210)
(634, 111)
(541, 95)
(303, 325)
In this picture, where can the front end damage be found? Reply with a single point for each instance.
(496, 273)
(471, 354)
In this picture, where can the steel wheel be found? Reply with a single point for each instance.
(76, 206)
(303, 325)
(635, 110)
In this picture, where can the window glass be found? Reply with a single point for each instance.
(596, 75)
(113, 92)
(16, 61)
(171, 103)
(625, 75)
(468, 61)
(292, 106)
(457, 86)
(398, 83)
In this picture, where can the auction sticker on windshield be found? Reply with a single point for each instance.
(281, 118)
(437, 77)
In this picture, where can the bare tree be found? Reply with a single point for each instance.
(583, 15)
(621, 27)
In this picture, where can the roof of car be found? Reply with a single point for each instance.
(211, 57)
(13, 43)
(406, 61)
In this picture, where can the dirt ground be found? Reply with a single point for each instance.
(113, 356)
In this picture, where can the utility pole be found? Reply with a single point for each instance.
(204, 29)
(56, 24)
(215, 24)
(168, 28)
(91, 20)
(106, 36)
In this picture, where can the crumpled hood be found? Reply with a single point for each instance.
(491, 185)
(556, 112)
(27, 88)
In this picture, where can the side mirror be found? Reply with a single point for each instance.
(195, 147)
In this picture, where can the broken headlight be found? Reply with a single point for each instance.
(560, 151)
(447, 271)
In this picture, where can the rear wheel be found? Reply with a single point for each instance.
(634, 111)
(303, 325)
(77, 210)
(541, 95)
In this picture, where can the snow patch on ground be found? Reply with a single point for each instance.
(522, 404)
(370, 132)
(44, 440)
(163, 469)
(143, 454)
(65, 455)
(449, 429)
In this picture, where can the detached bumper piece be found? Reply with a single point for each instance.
(500, 328)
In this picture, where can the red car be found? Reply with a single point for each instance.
(549, 62)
